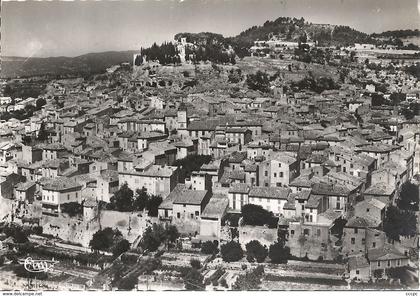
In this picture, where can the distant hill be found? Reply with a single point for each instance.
(90, 63)
(397, 34)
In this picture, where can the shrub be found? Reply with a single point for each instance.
(121, 247)
(196, 264)
(279, 253)
(210, 247)
(378, 273)
(104, 239)
(231, 252)
(193, 280)
(256, 251)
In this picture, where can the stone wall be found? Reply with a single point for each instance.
(266, 236)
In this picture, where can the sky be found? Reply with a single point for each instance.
(71, 28)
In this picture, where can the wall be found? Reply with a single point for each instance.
(266, 236)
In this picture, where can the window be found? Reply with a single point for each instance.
(306, 231)
(281, 174)
(353, 240)
(367, 210)
(76, 194)
(363, 241)
(178, 215)
(398, 262)
(266, 173)
(379, 263)
(68, 196)
(197, 213)
(275, 175)
(292, 232)
(279, 165)
(373, 245)
(318, 232)
(355, 230)
(389, 263)
(357, 271)
(344, 169)
(351, 165)
(192, 216)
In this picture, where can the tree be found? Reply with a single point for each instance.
(399, 222)
(195, 263)
(257, 216)
(397, 98)
(121, 247)
(42, 133)
(409, 197)
(258, 81)
(193, 280)
(123, 199)
(128, 283)
(153, 204)
(231, 251)
(72, 209)
(235, 76)
(141, 199)
(172, 233)
(256, 251)
(279, 253)
(20, 236)
(40, 102)
(210, 247)
(104, 239)
(191, 163)
(153, 237)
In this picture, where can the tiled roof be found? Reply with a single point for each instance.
(239, 188)
(313, 201)
(270, 192)
(331, 189)
(216, 207)
(388, 252)
(61, 184)
(23, 186)
(356, 262)
(189, 196)
(359, 222)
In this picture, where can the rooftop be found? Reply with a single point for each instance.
(270, 192)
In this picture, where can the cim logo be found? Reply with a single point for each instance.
(32, 265)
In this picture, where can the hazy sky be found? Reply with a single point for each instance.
(58, 28)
